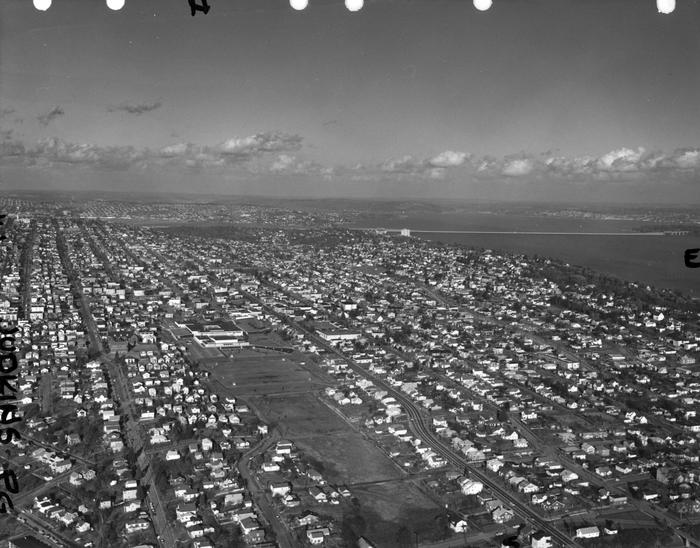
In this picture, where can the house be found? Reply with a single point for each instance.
(72, 439)
(588, 532)
(284, 447)
(317, 535)
(471, 487)
(568, 476)
(270, 467)
(603, 471)
(280, 488)
(75, 478)
(315, 475)
(307, 518)
(291, 500)
(540, 539)
(254, 537)
(185, 512)
(458, 525)
(136, 525)
(60, 466)
(131, 506)
(494, 465)
(502, 515)
(317, 494)
(249, 525)
(314, 536)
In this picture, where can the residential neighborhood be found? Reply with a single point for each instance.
(318, 385)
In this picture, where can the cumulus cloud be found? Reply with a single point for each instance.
(449, 158)
(283, 162)
(260, 143)
(289, 164)
(430, 168)
(136, 108)
(406, 164)
(236, 152)
(54, 151)
(686, 158)
(177, 150)
(517, 167)
(48, 117)
(278, 154)
(623, 159)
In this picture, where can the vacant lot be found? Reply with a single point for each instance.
(349, 458)
(399, 505)
(386, 498)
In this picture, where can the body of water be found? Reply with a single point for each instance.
(646, 259)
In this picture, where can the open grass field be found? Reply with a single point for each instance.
(272, 340)
(262, 374)
(299, 415)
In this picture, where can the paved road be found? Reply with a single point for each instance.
(45, 445)
(259, 492)
(44, 529)
(27, 497)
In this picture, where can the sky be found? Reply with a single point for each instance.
(579, 100)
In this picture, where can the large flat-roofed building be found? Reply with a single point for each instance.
(333, 333)
(222, 334)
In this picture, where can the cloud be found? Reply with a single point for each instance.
(449, 158)
(47, 118)
(518, 167)
(6, 111)
(406, 164)
(433, 168)
(256, 145)
(283, 163)
(269, 150)
(12, 150)
(177, 150)
(279, 154)
(623, 159)
(686, 158)
(54, 152)
(137, 109)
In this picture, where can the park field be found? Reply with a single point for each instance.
(261, 373)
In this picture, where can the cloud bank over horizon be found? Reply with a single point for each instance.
(280, 155)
